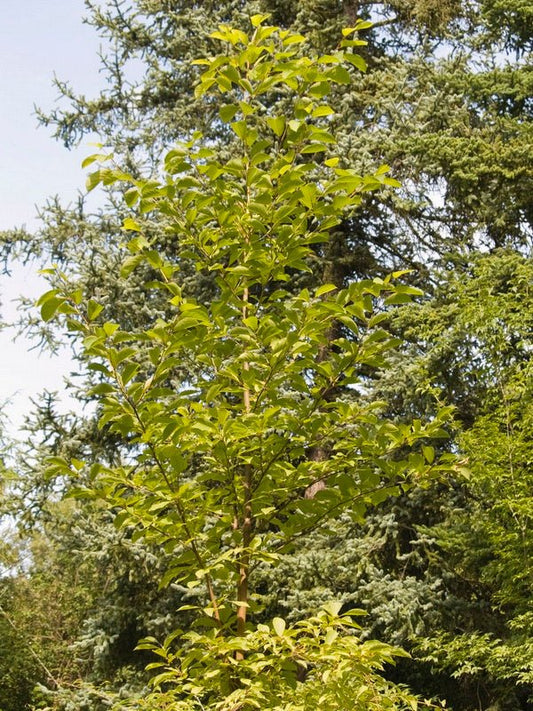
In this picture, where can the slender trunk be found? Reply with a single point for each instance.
(246, 523)
(244, 561)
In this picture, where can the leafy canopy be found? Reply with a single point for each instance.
(244, 415)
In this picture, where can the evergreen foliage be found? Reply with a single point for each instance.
(484, 548)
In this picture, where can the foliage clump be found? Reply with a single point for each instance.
(244, 415)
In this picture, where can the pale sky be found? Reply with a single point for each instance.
(37, 39)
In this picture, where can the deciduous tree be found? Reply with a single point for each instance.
(225, 403)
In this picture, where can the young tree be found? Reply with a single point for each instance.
(245, 416)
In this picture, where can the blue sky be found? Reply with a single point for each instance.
(37, 39)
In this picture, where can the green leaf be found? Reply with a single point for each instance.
(277, 124)
(360, 25)
(325, 289)
(392, 182)
(94, 309)
(429, 454)
(227, 112)
(323, 110)
(130, 264)
(331, 636)
(110, 328)
(48, 294)
(258, 19)
(50, 307)
(339, 75)
(356, 60)
(93, 179)
(333, 608)
(102, 389)
(100, 157)
(314, 148)
(320, 89)
(240, 129)
(279, 625)
(293, 39)
(131, 196)
(130, 224)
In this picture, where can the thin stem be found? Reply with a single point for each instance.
(246, 526)
(179, 506)
(326, 514)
